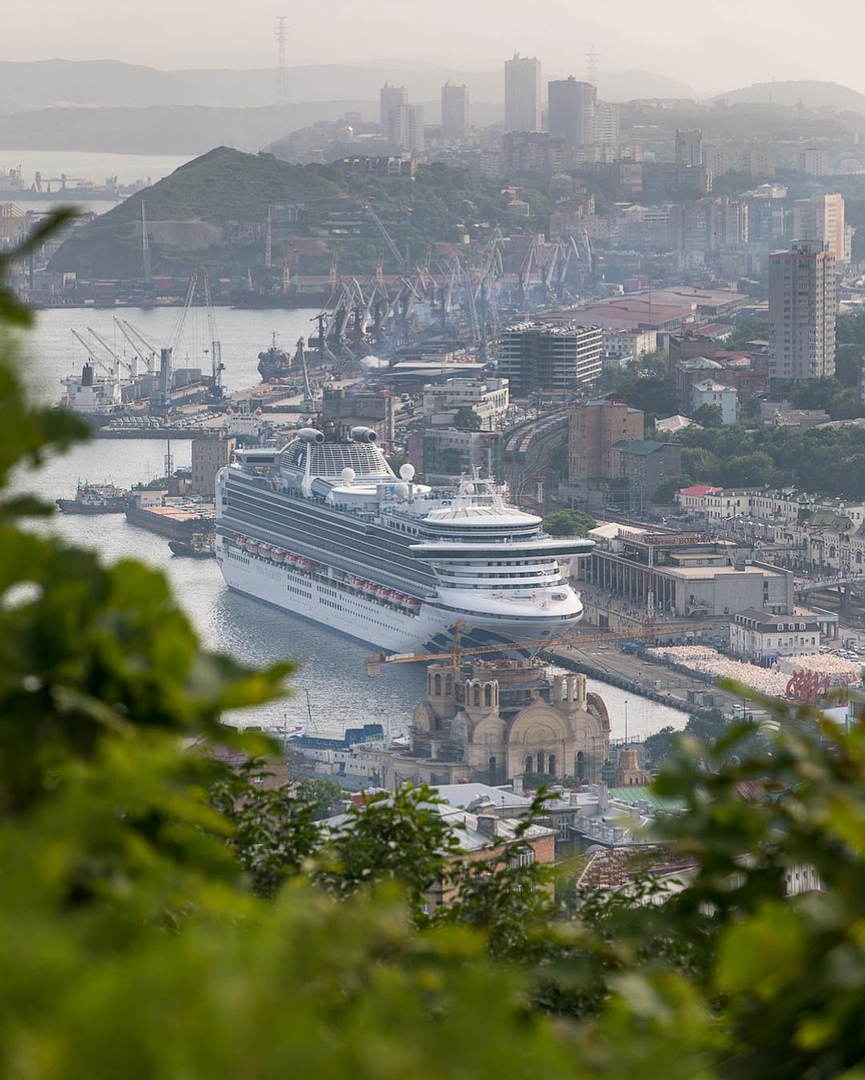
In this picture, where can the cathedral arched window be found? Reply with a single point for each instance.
(551, 765)
(476, 696)
(449, 686)
(488, 695)
(437, 686)
(529, 763)
(540, 764)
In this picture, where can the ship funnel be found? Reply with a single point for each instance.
(309, 434)
(363, 434)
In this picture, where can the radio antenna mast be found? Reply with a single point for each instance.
(281, 93)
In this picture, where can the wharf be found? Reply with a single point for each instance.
(639, 674)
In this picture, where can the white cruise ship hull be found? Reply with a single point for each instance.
(374, 621)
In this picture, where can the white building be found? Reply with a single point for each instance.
(390, 98)
(408, 128)
(821, 218)
(709, 392)
(522, 93)
(487, 397)
(761, 638)
(627, 343)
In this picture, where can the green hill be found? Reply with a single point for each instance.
(189, 214)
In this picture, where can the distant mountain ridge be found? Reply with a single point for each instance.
(35, 85)
(813, 94)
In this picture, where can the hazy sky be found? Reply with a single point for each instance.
(712, 44)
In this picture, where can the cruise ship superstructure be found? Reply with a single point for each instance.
(324, 528)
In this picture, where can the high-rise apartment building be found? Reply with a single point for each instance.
(758, 161)
(522, 93)
(390, 98)
(572, 111)
(408, 127)
(801, 313)
(821, 218)
(689, 147)
(594, 427)
(455, 111)
(812, 161)
(606, 124)
(535, 356)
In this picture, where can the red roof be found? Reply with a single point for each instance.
(699, 490)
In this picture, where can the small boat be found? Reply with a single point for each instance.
(95, 499)
(198, 546)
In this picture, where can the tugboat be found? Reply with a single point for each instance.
(274, 363)
(199, 546)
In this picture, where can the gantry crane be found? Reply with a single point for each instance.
(457, 652)
(118, 360)
(217, 390)
(142, 347)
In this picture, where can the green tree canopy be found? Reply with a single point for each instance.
(709, 416)
(466, 419)
(569, 523)
(155, 921)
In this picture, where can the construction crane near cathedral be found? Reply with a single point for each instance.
(458, 652)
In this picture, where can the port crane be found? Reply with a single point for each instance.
(141, 346)
(458, 652)
(217, 367)
(394, 250)
(118, 360)
(95, 357)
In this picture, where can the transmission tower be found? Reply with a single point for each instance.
(281, 92)
(592, 59)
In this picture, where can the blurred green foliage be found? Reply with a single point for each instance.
(163, 918)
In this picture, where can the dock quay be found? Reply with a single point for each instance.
(640, 674)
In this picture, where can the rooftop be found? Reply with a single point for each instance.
(643, 447)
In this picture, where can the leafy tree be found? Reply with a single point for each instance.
(569, 523)
(466, 419)
(747, 330)
(133, 944)
(709, 416)
(274, 830)
(321, 793)
(389, 838)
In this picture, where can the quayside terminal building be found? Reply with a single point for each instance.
(693, 576)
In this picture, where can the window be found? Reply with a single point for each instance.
(521, 856)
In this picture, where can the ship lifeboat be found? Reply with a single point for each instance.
(253, 547)
(278, 555)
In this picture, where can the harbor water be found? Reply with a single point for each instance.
(331, 687)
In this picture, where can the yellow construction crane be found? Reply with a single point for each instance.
(373, 663)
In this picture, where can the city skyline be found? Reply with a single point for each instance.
(666, 39)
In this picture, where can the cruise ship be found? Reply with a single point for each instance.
(324, 528)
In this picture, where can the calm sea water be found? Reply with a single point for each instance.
(331, 685)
